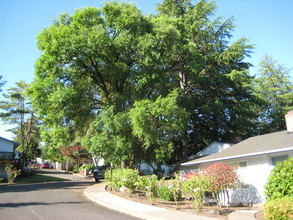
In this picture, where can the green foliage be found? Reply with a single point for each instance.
(107, 76)
(2, 83)
(165, 193)
(52, 153)
(211, 74)
(122, 177)
(27, 172)
(11, 172)
(159, 123)
(89, 167)
(280, 209)
(275, 89)
(152, 188)
(18, 111)
(76, 154)
(280, 181)
(195, 187)
(110, 137)
(149, 184)
(176, 189)
(142, 182)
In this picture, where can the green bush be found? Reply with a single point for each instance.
(280, 181)
(142, 182)
(152, 187)
(195, 188)
(175, 187)
(11, 172)
(281, 209)
(117, 178)
(89, 167)
(27, 172)
(165, 193)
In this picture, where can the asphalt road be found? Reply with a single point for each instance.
(52, 201)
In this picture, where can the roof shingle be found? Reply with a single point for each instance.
(268, 143)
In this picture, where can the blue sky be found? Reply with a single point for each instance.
(266, 23)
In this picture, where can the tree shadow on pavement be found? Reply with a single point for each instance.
(16, 205)
(43, 186)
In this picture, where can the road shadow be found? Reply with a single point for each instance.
(50, 171)
(44, 186)
(22, 204)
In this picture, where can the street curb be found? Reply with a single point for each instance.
(114, 207)
(97, 194)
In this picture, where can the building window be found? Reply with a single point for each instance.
(233, 165)
(275, 160)
(243, 164)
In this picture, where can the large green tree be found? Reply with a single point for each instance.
(93, 64)
(275, 88)
(103, 68)
(210, 72)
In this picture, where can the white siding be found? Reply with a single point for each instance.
(254, 176)
(184, 170)
(6, 146)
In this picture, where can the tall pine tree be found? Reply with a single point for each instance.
(275, 88)
(18, 111)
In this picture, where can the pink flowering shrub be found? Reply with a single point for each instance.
(223, 177)
(190, 175)
(11, 172)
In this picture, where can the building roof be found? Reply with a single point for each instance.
(214, 147)
(258, 145)
(15, 143)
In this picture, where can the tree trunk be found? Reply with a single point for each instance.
(183, 81)
(184, 147)
(23, 162)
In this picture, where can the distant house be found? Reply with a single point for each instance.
(212, 148)
(253, 158)
(7, 154)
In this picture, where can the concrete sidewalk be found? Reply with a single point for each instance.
(98, 194)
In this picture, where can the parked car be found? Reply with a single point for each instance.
(99, 172)
(43, 165)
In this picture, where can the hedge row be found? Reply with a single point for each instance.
(215, 178)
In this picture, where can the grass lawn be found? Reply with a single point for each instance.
(38, 178)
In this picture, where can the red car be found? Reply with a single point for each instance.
(43, 165)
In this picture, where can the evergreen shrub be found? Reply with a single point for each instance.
(281, 209)
(280, 181)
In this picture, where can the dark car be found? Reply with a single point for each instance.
(99, 172)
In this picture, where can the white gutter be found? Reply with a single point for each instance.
(237, 156)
